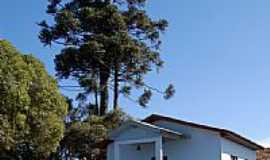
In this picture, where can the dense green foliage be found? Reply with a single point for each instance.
(87, 140)
(32, 110)
(108, 44)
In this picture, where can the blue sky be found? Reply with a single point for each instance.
(217, 55)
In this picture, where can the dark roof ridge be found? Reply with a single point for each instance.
(235, 137)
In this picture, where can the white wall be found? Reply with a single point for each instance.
(231, 148)
(130, 152)
(136, 133)
(202, 144)
(225, 156)
(110, 152)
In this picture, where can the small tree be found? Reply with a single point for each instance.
(88, 139)
(32, 110)
(108, 44)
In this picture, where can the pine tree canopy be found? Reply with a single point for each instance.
(108, 44)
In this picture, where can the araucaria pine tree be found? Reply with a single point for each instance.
(108, 44)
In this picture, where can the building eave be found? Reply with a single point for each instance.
(232, 136)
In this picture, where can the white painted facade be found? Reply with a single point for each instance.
(232, 148)
(199, 144)
(144, 143)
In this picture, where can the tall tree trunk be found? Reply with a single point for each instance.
(116, 87)
(104, 93)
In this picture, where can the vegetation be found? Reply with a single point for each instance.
(108, 44)
(88, 139)
(32, 110)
